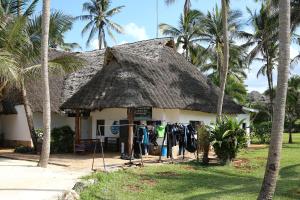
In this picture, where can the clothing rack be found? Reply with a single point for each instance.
(166, 137)
(140, 149)
(99, 140)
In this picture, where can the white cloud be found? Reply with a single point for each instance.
(95, 44)
(135, 31)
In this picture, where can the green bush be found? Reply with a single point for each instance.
(62, 140)
(262, 132)
(24, 149)
(228, 138)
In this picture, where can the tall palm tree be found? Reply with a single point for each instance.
(187, 33)
(20, 44)
(292, 104)
(60, 23)
(45, 153)
(236, 72)
(225, 56)
(265, 42)
(273, 162)
(99, 21)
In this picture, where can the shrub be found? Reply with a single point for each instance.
(24, 149)
(62, 140)
(262, 132)
(228, 138)
(204, 142)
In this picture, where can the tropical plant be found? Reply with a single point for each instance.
(265, 43)
(204, 142)
(213, 36)
(99, 21)
(20, 46)
(59, 25)
(187, 34)
(228, 137)
(262, 132)
(273, 162)
(292, 105)
(62, 140)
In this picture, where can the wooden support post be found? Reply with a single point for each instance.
(77, 127)
(130, 118)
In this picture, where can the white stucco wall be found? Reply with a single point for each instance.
(246, 118)
(15, 127)
(166, 115)
(187, 115)
(109, 115)
(57, 120)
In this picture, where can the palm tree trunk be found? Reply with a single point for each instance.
(19, 7)
(270, 85)
(46, 101)
(273, 163)
(29, 116)
(104, 39)
(224, 67)
(100, 39)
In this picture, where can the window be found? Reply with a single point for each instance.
(244, 126)
(196, 123)
(100, 127)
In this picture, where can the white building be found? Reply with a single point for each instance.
(112, 84)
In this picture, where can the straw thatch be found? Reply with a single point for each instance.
(160, 79)
(145, 73)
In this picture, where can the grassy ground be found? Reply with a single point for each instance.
(192, 181)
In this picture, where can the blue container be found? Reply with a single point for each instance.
(164, 151)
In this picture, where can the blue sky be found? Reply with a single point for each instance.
(139, 21)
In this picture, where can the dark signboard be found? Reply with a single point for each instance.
(143, 113)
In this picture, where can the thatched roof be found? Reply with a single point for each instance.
(161, 78)
(145, 73)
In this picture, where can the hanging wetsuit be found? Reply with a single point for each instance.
(191, 143)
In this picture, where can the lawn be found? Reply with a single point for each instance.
(193, 181)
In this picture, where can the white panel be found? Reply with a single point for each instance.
(109, 115)
(15, 126)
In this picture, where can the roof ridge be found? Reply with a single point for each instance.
(129, 43)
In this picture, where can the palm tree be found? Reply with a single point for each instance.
(273, 162)
(99, 21)
(20, 44)
(187, 33)
(59, 25)
(292, 104)
(45, 153)
(265, 42)
(225, 56)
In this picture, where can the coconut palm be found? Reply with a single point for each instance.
(20, 43)
(59, 25)
(225, 56)
(265, 42)
(99, 21)
(292, 104)
(11, 8)
(273, 162)
(45, 153)
(187, 33)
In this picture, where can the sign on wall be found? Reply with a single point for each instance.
(143, 113)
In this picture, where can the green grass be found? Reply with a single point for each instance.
(192, 181)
